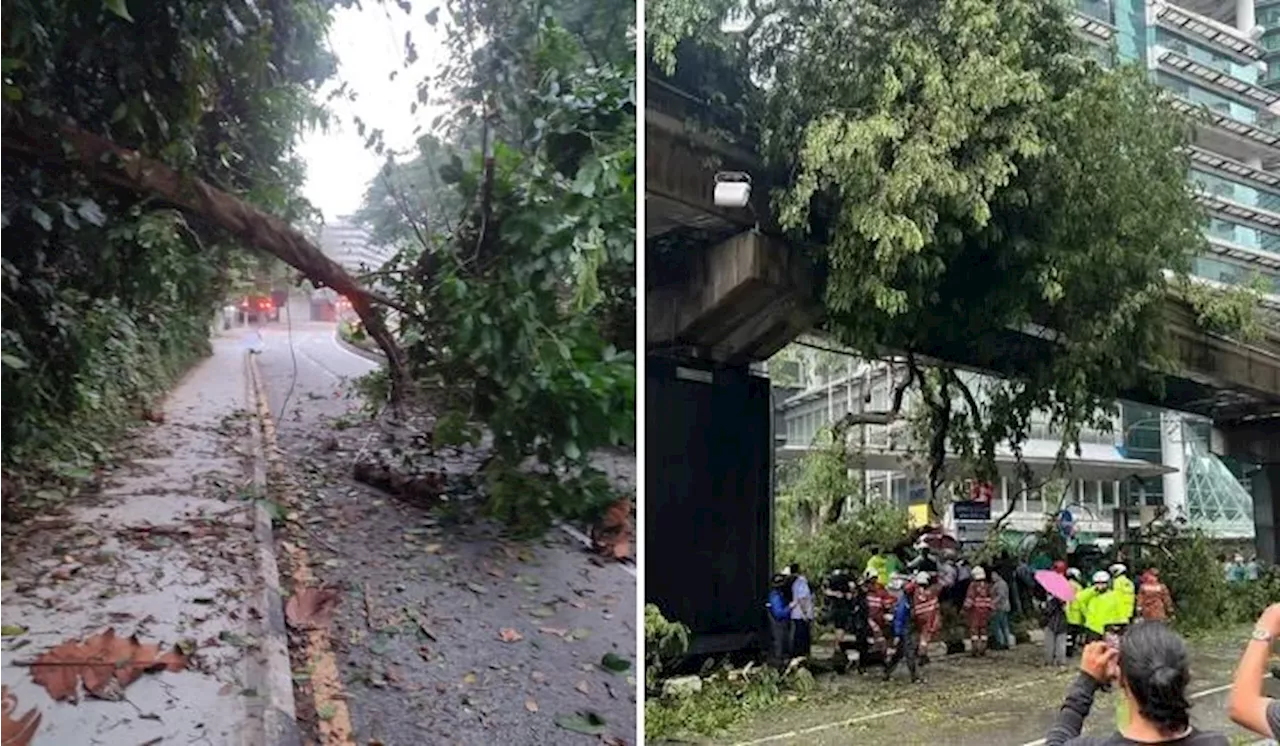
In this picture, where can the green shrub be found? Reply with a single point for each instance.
(846, 542)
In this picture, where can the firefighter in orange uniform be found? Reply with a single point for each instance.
(927, 613)
(1155, 604)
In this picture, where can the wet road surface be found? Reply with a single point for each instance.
(1006, 699)
(448, 632)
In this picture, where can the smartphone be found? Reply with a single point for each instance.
(1112, 640)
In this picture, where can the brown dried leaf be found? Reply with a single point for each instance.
(16, 732)
(553, 631)
(613, 534)
(506, 634)
(583, 687)
(531, 705)
(104, 663)
(311, 608)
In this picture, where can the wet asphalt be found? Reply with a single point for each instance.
(1006, 699)
(448, 631)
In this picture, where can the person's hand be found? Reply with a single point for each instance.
(1099, 660)
(1270, 620)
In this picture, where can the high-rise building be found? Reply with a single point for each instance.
(347, 243)
(1209, 55)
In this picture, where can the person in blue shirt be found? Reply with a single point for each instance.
(802, 613)
(906, 638)
(779, 620)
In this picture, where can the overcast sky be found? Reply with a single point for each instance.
(369, 44)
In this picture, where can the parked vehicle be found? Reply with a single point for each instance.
(258, 309)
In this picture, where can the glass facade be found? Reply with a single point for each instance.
(1130, 19)
(1214, 101)
(1206, 56)
(1230, 272)
(1235, 191)
(1242, 235)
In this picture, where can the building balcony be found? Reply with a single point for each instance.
(1093, 20)
(1265, 261)
(1205, 160)
(1209, 72)
(1224, 133)
(1207, 31)
(1246, 237)
(1239, 212)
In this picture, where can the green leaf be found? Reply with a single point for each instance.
(12, 630)
(585, 722)
(91, 213)
(41, 217)
(614, 663)
(13, 361)
(118, 7)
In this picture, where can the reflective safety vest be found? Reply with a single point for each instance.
(925, 604)
(1122, 604)
(1096, 607)
(1075, 611)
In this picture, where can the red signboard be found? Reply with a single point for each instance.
(981, 492)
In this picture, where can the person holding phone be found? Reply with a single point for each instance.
(1150, 666)
(1248, 707)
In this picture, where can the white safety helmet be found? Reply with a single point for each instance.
(1101, 576)
(1118, 569)
(1073, 572)
(922, 578)
(979, 573)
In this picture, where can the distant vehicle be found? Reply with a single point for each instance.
(258, 309)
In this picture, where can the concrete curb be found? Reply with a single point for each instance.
(272, 675)
(376, 357)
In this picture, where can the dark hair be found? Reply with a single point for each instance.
(1153, 664)
(795, 568)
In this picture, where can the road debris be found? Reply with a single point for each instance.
(311, 607)
(104, 663)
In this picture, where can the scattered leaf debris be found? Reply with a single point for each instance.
(105, 663)
(20, 731)
(311, 608)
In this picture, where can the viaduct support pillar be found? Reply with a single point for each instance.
(1256, 444)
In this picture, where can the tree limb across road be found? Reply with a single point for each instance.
(103, 160)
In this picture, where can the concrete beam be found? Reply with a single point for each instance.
(680, 169)
(741, 300)
(1222, 363)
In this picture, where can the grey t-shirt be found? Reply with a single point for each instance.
(1273, 718)
(1066, 729)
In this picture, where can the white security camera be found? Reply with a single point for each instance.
(733, 189)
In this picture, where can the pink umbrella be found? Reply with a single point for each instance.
(1056, 585)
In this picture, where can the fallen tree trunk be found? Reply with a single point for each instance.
(102, 159)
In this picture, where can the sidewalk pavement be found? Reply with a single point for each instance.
(172, 550)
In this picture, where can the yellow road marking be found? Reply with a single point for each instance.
(328, 694)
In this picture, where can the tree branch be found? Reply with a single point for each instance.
(110, 163)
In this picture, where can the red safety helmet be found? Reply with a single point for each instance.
(1060, 567)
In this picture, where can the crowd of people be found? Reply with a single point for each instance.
(892, 611)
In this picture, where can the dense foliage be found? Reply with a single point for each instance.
(112, 294)
(516, 233)
(923, 145)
